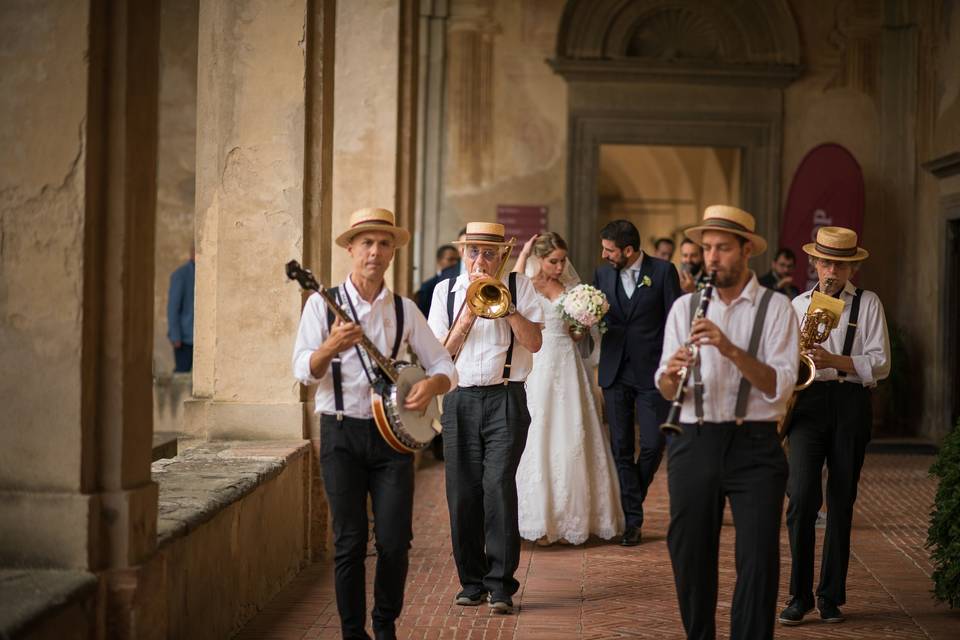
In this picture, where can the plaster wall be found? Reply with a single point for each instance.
(43, 96)
(365, 124)
(176, 159)
(249, 208)
(527, 137)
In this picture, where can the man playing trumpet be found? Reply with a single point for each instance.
(728, 448)
(485, 420)
(831, 424)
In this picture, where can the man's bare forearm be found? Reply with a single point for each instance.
(529, 334)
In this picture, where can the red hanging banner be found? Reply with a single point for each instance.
(827, 191)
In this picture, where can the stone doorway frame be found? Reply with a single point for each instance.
(946, 169)
(625, 88)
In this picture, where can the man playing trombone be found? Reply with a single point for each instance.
(485, 420)
(831, 424)
(726, 445)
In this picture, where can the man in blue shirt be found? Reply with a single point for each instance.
(180, 314)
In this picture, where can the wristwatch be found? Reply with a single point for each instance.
(512, 309)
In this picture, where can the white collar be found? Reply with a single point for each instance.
(351, 290)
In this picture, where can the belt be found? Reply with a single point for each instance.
(490, 387)
(748, 424)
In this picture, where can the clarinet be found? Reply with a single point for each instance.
(672, 424)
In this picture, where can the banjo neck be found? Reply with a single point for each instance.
(381, 360)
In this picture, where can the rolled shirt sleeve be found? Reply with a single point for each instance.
(873, 364)
(527, 303)
(781, 347)
(423, 342)
(672, 330)
(310, 335)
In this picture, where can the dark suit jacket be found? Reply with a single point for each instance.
(635, 325)
(425, 294)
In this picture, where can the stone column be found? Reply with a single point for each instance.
(365, 121)
(78, 185)
(250, 216)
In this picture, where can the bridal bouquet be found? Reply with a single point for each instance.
(583, 307)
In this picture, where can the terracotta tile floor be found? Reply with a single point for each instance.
(601, 590)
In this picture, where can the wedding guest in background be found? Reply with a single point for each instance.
(663, 248)
(780, 276)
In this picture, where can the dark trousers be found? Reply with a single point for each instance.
(484, 433)
(831, 424)
(356, 461)
(627, 404)
(745, 465)
(183, 358)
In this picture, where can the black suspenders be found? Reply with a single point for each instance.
(851, 328)
(512, 285)
(336, 365)
(743, 393)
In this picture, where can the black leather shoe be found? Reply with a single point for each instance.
(470, 598)
(631, 537)
(829, 612)
(501, 604)
(793, 614)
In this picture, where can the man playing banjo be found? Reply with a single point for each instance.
(354, 459)
(485, 420)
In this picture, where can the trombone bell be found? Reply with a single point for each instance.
(488, 298)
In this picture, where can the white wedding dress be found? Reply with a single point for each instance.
(566, 482)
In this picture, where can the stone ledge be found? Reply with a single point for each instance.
(204, 480)
(28, 597)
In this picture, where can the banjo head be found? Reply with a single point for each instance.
(412, 428)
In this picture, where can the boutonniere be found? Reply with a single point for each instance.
(646, 282)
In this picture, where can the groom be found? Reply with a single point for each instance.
(641, 289)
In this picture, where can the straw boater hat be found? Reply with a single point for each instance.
(483, 233)
(721, 217)
(372, 219)
(836, 243)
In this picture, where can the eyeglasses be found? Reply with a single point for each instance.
(488, 254)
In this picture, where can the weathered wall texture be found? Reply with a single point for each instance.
(43, 94)
(176, 159)
(250, 161)
(366, 94)
(506, 113)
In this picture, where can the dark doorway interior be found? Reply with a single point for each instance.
(952, 321)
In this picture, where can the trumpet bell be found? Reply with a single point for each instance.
(806, 372)
(488, 298)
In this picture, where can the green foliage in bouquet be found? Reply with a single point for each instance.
(943, 537)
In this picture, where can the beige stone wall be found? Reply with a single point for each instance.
(366, 93)
(176, 159)
(43, 99)
(249, 209)
(515, 110)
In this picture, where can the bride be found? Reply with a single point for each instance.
(566, 483)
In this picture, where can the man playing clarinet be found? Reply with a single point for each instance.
(727, 447)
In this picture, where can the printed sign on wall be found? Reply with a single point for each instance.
(521, 222)
(827, 191)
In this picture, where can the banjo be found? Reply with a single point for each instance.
(404, 430)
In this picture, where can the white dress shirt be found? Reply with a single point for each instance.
(485, 351)
(779, 348)
(871, 345)
(630, 276)
(379, 322)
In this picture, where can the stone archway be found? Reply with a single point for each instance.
(675, 72)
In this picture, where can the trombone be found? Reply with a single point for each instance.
(487, 298)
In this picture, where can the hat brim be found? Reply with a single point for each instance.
(485, 242)
(811, 250)
(759, 242)
(401, 236)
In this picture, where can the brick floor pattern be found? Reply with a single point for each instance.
(601, 590)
